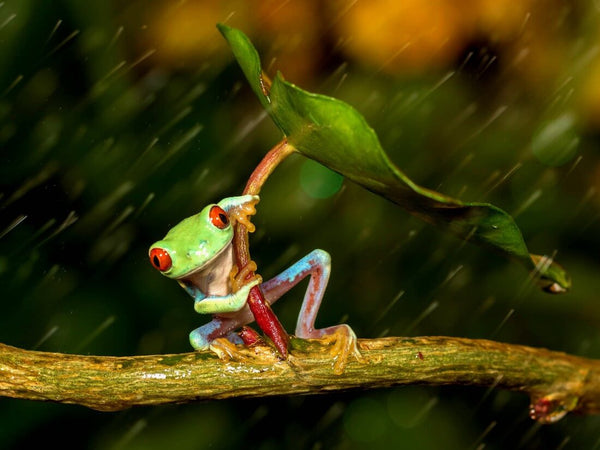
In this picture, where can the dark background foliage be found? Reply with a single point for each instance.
(118, 119)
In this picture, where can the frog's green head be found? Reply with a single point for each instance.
(194, 242)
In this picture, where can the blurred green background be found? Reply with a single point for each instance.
(119, 119)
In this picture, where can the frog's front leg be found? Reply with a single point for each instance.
(317, 264)
(225, 303)
(202, 337)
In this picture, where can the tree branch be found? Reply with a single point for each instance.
(556, 382)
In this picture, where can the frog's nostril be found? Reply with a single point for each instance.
(160, 259)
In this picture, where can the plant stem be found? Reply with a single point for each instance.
(556, 382)
(264, 316)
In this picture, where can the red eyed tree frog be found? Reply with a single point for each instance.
(198, 253)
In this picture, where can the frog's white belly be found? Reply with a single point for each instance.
(213, 280)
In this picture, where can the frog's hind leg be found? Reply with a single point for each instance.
(317, 264)
(202, 337)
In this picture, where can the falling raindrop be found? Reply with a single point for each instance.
(430, 308)
(62, 43)
(13, 225)
(8, 20)
(503, 322)
(556, 141)
(95, 333)
(478, 442)
(45, 337)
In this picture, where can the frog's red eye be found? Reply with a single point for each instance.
(160, 259)
(218, 217)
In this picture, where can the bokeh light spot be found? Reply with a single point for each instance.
(365, 420)
(318, 181)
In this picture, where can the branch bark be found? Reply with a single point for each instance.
(556, 382)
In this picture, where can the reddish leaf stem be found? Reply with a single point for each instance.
(264, 316)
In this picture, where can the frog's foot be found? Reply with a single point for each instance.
(238, 278)
(241, 214)
(227, 350)
(344, 346)
(259, 353)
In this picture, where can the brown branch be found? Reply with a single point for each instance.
(556, 382)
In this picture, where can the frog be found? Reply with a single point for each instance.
(198, 253)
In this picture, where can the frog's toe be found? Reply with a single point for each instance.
(225, 349)
(345, 346)
(257, 354)
(239, 278)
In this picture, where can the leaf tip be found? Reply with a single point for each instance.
(223, 29)
(550, 275)
(232, 34)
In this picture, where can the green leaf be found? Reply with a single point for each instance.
(333, 133)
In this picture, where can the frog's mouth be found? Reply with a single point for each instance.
(215, 260)
(195, 271)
